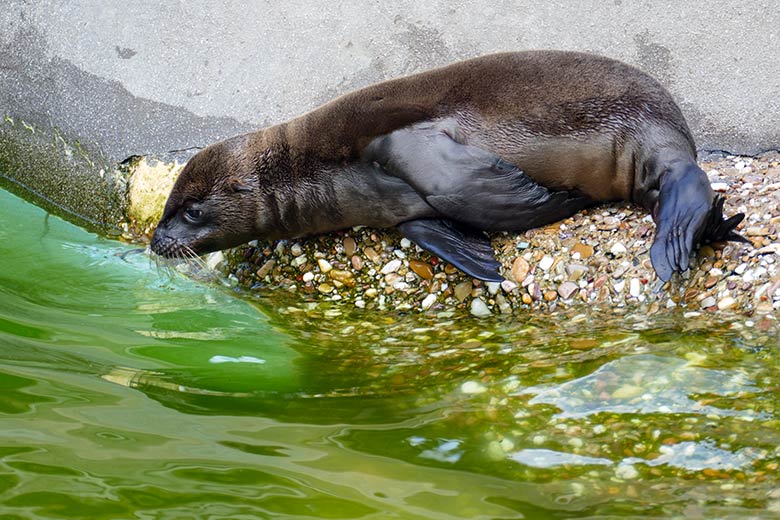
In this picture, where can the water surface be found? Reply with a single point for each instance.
(128, 392)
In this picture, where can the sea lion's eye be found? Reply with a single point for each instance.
(193, 215)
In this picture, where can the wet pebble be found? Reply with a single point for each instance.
(479, 308)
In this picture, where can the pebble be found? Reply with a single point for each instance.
(508, 286)
(428, 301)
(349, 246)
(567, 289)
(635, 287)
(357, 263)
(550, 295)
(493, 287)
(391, 266)
(462, 290)
(520, 269)
(345, 277)
(546, 262)
(720, 186)
(726, 303)
(584, 250)
(709, 301)
(265, 268)
(618, 249)
(576, 271)
(308, 276)
(421, 269)
(296, 250)
(324, 265)
(479, 308)
(371, 254)
(325, 288)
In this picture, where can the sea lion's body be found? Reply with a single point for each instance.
(566, 129)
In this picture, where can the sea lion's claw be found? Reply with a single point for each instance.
(721, 229)
(468, 250)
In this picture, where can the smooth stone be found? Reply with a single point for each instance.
(520, 269)
(635, 287)
(618, 249)
(707, 302)
(266, 268)
(508, 286)
(462, 290)
(576, 271)
(421, 269)
(493, 287)
(428, 301)
(296, 250)
(349, 246)
(324, 265)
(479, 308)
(391, 266)
(584, 250)
(550, 295)
(567, 289)
(308, 276)
(345, 277)
(726, 303)
(325, 288)
(546, 262)
(371, 254)
(357, 263)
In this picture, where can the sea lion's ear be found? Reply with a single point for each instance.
(237, 185)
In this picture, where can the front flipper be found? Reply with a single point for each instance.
(687, 214)
(467, 183)
(468, 250)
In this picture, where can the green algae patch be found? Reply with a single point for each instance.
(61, 174)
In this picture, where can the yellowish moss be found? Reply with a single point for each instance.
(149, 187)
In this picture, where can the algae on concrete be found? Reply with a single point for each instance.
(59, 174)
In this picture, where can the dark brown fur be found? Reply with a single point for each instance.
(568, 120)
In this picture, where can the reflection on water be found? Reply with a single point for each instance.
(128, 392)
(644, 384)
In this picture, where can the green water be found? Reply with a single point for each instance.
(129, 392)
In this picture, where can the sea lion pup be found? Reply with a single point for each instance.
(507, 142)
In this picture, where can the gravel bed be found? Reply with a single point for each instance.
(597, 258)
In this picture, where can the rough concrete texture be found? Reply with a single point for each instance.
(148, 77)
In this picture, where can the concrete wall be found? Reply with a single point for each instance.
(147, 77)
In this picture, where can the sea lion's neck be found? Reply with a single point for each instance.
(305, 195)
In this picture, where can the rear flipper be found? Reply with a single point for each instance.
(469, 184)
(687, 214)
(468, 250)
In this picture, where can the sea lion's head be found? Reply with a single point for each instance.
(212, 205)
